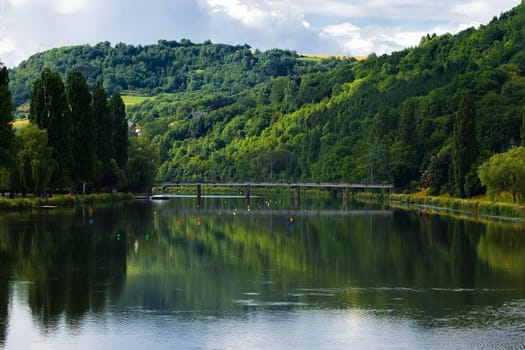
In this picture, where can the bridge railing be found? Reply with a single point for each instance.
(276, 184)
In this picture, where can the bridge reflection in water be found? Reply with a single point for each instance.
(296, 186)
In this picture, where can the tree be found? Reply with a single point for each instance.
(103, 124)
(107, 170)
(522, 131)
(142, 164)
(34, 159)
(49, 110)
(403, 151)
(402, 166)
(84, 133)
(407, 123)
(119, 129)
(465, 148)
(505, 172)
(438, 170)
(7, 135)
(38, 113)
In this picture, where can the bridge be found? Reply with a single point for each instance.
(295, 185)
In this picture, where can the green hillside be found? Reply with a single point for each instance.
(168, 66)
(427, 115)
(387, 118)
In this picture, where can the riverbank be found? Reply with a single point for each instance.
(473, 206)
(61, 200)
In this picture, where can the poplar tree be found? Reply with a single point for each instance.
(103, 124)
(107, 170)
(403, 166)
(7, 135)
(120, 129)
(49, 111)
(465, 148)
(84, 134)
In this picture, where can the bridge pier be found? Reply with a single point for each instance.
(297, 197)
(247, 197)
(345, 198)
(199, 195)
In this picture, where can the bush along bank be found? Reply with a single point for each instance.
(479, 207)
(62, 200)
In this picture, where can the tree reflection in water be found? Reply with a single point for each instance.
(224, 261)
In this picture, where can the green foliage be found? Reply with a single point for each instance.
(464, 143)
(438, 170)
(49, 110)
(141, 165)
(6, 117)
(168, 66)
(35, 163)
(505, 172)
(119, 129)
(104, 124)
(84, 132)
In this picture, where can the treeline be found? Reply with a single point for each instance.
(168, 66)
(76, 140)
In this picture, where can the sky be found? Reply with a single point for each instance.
(331, 27)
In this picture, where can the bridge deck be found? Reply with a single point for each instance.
(277, 184)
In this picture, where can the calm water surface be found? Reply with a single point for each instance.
(164, 275)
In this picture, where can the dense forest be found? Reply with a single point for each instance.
(168, 66)
(427, 116)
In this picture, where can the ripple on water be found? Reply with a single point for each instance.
(269, 304)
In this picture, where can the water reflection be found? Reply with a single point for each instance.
(71, 265)
(149, 262)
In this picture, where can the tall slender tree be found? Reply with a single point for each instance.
(49, 110)
(403, 166)
(107, 170)
(84, 133)
(7, 135)
(120, 129)
(465, 147)
(103, 124)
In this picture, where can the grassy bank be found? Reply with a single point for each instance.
(474, 206)
(236, 190)
(62, 200)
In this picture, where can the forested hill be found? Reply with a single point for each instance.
(168, 66)
(429, 114)
(390, 118)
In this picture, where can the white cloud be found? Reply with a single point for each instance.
(17, 4)
(257, 14)
(359, 41)
(6, 46)
(69, 6)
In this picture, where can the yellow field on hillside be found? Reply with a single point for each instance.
(340, 57)
(131, 100)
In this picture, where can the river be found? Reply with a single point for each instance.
(165, 275)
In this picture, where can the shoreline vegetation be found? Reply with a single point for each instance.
(472, 206)
(61, 200)
(419, 201)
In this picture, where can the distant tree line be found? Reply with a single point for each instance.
(168, 66)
